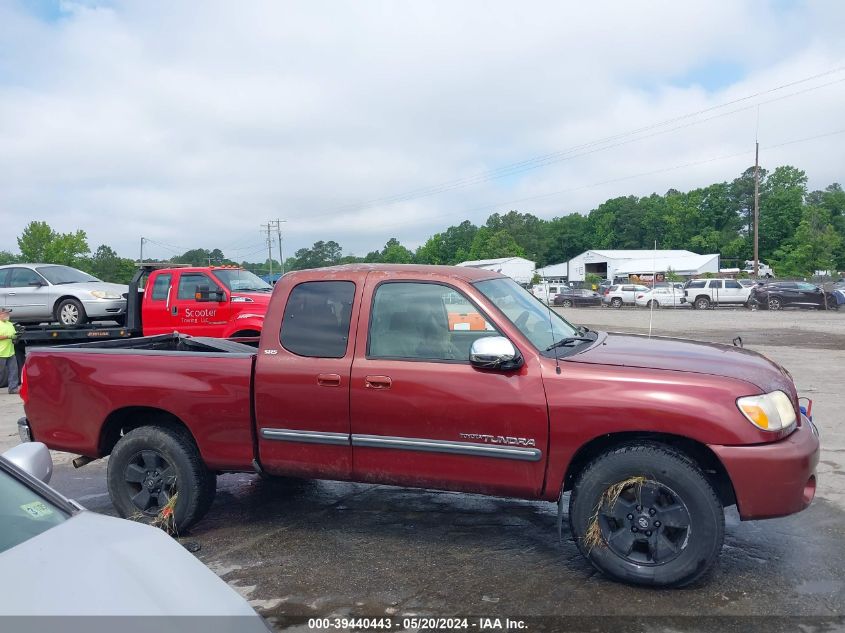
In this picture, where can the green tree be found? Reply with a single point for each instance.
(105, 264)
(394, 253)
(39, 243)
(781, 207)
(7, 258)
(815, 245)
(492, 245)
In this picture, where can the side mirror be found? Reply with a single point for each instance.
(33, 458)
(36, 284)
(204, 294)
(494, 352)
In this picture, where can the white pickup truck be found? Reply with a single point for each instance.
(704, 293)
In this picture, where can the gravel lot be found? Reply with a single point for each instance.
(305, 549)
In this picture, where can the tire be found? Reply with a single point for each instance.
(166, 461)
(674, 489)
(71, 313)
(616, 302)
(702, 303)
(566, 303)
(774, 303)
(652, 304)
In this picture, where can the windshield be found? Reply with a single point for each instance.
(539, 324)
(23, 512)
(64, 275)
(238, 280)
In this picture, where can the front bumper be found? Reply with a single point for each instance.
(776, 479)
(24, 431)
(104, 307)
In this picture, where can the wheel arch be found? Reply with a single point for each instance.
(121, 421)
(58, 301)
(699, 453)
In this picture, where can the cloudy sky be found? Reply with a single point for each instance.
(192, 123)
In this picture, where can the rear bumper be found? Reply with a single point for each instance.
(777, 479)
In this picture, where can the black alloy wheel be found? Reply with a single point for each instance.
(150, 481)
(648, 524)
(774, 303)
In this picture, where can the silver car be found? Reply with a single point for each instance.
(61, 560)
(38, 293)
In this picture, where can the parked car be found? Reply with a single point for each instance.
(704, 293)
(546, 292)
(359, 376)
(61, 560)
(660, 297)
(48, 292)
(619, 294)
(577, 297)
(787, 294)
(763, 271)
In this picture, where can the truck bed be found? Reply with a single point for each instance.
(203, 382)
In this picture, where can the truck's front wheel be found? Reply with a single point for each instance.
(645, 514)
(156, 475)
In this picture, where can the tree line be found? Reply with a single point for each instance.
(800, 232)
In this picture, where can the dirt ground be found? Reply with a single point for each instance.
(299, 549)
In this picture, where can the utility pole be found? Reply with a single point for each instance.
(141, 255)
(267, 227)
(756, 208)
(278, 224)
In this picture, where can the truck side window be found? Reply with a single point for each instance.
(316, 319)
(161, 286)
(729, 283)
(423, 321)
(189, 283)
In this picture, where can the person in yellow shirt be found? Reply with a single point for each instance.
(8, 362)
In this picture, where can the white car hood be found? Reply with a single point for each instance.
(89, 286)
(97, 565)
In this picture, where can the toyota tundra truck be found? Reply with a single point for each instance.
(364, 373)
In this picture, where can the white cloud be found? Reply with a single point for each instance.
(193, 124)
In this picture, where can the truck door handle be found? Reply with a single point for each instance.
(328, 380)
(377, 382)
(174, 310)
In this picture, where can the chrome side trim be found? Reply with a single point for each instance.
(443, 446)
(308, 437)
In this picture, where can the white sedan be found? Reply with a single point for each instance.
(661, 296)
(61, 560)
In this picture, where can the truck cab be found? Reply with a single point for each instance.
(215, 301)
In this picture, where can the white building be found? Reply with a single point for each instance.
(605, 263)
(519, 269)
(642, 270)
(555, 273)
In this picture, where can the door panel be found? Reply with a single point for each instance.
(302, 390)
(434, 421)
(199, 318)
(28, 303)
(155, 309)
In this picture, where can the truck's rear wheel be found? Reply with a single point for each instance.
(156, 475)
(644, 513)
(702, 303)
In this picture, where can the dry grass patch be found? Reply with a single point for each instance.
(593, 537)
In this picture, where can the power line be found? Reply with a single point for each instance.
(492, 207)
(567, 154)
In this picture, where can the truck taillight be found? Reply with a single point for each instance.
(24, 391)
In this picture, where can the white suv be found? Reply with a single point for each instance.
(618, 294)
(704, 293)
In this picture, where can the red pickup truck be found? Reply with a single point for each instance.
(385, 374)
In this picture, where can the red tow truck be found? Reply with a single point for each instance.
(361, 374)
(217, 301)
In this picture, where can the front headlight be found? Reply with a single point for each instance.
(105, 294)
(770, 412)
